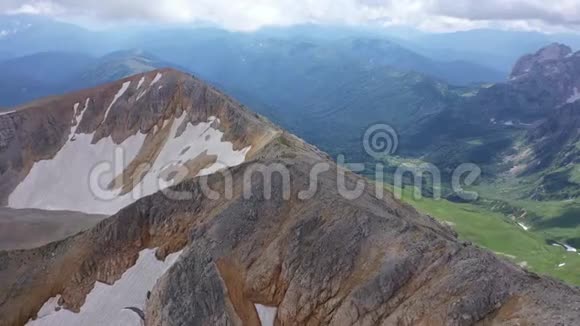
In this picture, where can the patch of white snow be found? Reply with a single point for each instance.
(105, 304)
(141, 81)
(570, 248)
(78, 120)
(156, 79)
(575, 97)
(141, 95)
(63, 182)
(76, 109)
(266, 314)
(49, 307)
(7, 112)
(79, 176)
(523, 226)
(198, 139)
(505, 255)
(120, 93)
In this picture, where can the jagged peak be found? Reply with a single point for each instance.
(554, 51)
(550, 53)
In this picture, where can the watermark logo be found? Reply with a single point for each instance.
(380, 140)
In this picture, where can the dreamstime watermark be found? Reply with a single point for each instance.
(380, 140)
(109, 181)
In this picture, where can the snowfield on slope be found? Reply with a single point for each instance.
(62, 183)
(181, 148)
(6, 112)
(78, 177)
(266, 314)
(119, 94)
(106, 305)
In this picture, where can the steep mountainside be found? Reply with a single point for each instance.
(522, 127)
(555, 154)
(56, 143)
(524, 134)
(240, 247)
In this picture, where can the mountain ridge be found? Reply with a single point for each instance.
(316, 259)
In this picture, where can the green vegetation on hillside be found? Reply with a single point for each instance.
(496, 232)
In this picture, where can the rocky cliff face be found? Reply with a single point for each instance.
(539, 83)
(545, 56)
(256, 251)
(552, 76)
(527, 125)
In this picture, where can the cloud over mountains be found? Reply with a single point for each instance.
(253, 14)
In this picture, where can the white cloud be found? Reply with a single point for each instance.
(46, 8)
(252, 14)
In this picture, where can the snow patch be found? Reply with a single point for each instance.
(523, 226)
(198, 139)
(156, 79)
(266, 314)
(141, 81)
(62, 183)
(564, 246)
(78, 178)
(505, 255)
(575, 97)
(49, 307)
(141, 94)
(562, 265)
(7, 112)
(76, 109)
(120, 93)
(105, 304)
(570, 248)
(77, 121)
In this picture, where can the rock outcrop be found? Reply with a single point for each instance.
(552, 53)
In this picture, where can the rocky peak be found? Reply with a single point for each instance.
(550, 78)
(550, 53)
(554, 51)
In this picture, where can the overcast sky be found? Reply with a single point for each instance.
(431, 15)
